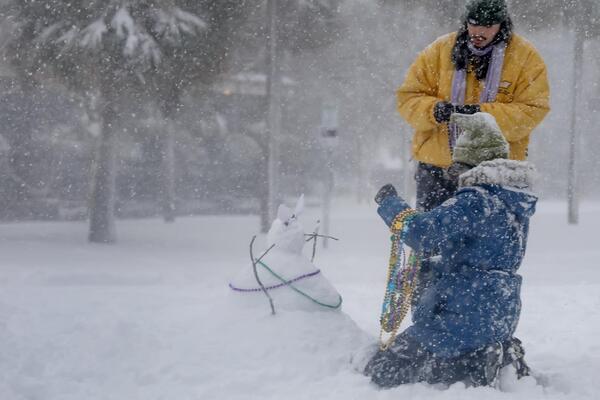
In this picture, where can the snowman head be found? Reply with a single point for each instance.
(286, 233)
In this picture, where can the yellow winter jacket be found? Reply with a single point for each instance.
(521, 104)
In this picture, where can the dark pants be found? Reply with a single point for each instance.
(406, 361)
(434, 186)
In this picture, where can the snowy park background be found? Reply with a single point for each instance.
(153, 318)
(133, 113)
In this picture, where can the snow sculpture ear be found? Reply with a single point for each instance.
(299, 206)
(287, 232)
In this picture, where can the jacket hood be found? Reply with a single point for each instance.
(509, 181)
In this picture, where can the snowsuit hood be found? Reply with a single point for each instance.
(509, 181)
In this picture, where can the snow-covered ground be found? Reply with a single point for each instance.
(152, 317)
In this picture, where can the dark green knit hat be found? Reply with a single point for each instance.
(486, 12)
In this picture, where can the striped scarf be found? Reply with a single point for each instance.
(491, 85)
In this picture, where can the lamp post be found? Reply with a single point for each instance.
(329, 141)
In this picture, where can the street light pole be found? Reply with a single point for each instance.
(329, 140)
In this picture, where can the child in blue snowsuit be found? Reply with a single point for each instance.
(465, 318)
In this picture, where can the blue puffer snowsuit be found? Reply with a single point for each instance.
(473, 298)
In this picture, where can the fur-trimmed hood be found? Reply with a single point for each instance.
(501, 172)
(509, 181)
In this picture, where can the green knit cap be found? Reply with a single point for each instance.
(480, 141)
(486, 12)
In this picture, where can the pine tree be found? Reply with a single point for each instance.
(102, 49)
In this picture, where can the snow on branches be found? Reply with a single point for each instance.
(138, 32)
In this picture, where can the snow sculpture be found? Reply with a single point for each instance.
(290, 278)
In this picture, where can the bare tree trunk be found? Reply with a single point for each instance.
(102, 202)
(168, 172)
(168, 105)
(273, 93)
(22, 151)
(572, 185)
(263, 195)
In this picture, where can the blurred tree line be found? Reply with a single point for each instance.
(129, 84)
(147, 107)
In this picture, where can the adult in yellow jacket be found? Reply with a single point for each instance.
(482, 67)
